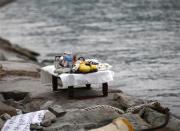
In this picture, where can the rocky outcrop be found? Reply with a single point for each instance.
(4, 2)
(19, 69)
(28, 54)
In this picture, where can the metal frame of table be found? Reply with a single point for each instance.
(71, 88)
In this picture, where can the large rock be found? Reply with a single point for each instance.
(12, 48)
(153, 117)
(20, 69)
(126, 101)
(57, 110)
(85, 119)
(4, 108)
(48, 119)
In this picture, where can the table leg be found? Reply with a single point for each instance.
(88, 86)
(54, 83)
(71, 91)
(105, 89)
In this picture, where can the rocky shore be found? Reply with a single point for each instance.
(21, 90)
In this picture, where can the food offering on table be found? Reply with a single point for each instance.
(69, 63)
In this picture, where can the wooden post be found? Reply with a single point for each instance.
(71, 91)
(88, 86)
(105, 89)
(54, 83)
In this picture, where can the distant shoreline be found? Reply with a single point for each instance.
(4, 2)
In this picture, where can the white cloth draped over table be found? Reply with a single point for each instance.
(73, 79)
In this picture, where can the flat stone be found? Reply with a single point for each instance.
(46, 105)
(5, 117)
(4, 108)
(57, 110)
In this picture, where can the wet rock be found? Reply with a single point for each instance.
(36, 127)
(57, 110)
(4, 108)
(48, 119)
(26, 53)
(46, 105)
(1, 123)
(5, 117)
(153, 117)
(126, 101)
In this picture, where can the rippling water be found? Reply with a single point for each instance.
(140, 38)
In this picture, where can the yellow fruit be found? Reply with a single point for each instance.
(84, 68)
(93, 67)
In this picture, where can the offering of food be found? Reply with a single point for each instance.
(68, 63)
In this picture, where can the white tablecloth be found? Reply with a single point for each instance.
(74, 79)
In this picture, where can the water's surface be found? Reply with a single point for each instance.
(140, 38)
